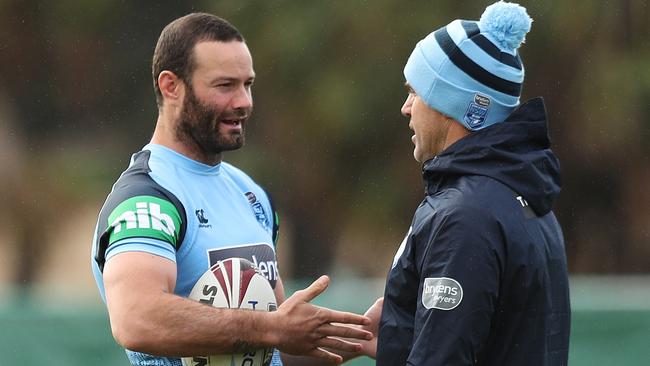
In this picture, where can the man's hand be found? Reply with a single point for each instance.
(374, 314)
(304, 329)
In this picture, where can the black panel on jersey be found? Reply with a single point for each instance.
(275, 233)
(135, 181)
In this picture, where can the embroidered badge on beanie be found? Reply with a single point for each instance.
(477, 111)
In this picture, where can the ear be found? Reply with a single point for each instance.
(171, 87)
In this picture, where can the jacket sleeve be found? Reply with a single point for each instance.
(459, 255)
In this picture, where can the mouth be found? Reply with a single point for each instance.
(233, 122)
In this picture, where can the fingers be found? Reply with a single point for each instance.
(336, 344)
(325, 355)
(375, 308)
(316, 288)
(374, 314)
(334, 316)
(330, 330)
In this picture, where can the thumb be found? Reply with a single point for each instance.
(316, 288)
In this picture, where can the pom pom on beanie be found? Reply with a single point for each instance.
(507, 23)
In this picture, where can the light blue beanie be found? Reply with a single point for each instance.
(471, 71)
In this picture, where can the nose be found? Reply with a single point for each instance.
(243, 98)
(406, 107)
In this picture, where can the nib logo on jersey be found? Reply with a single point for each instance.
(441, 293)
(261, 255)
(145, 216)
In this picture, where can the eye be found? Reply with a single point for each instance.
(409, 89)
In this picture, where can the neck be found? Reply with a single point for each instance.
(165, 135)
(455, 132)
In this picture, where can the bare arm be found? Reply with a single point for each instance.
(146, 316)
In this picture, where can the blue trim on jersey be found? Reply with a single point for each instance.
(142, 359)
(276, 360)
(154, 246)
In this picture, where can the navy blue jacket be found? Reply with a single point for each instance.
(481, 277)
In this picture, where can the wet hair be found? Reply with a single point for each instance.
(175, 48)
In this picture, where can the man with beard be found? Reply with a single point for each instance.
(179, 209)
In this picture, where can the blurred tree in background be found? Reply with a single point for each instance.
(326, 138)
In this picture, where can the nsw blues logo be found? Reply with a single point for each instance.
(477, 111)
(258, 210)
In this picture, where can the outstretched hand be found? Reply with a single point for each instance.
(305, 329)
(374, 314)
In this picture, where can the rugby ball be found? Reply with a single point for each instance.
(234, 283)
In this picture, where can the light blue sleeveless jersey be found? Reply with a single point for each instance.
(191, 213)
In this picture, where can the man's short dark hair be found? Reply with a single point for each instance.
(175, 48)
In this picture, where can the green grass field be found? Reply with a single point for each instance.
(611, 324)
